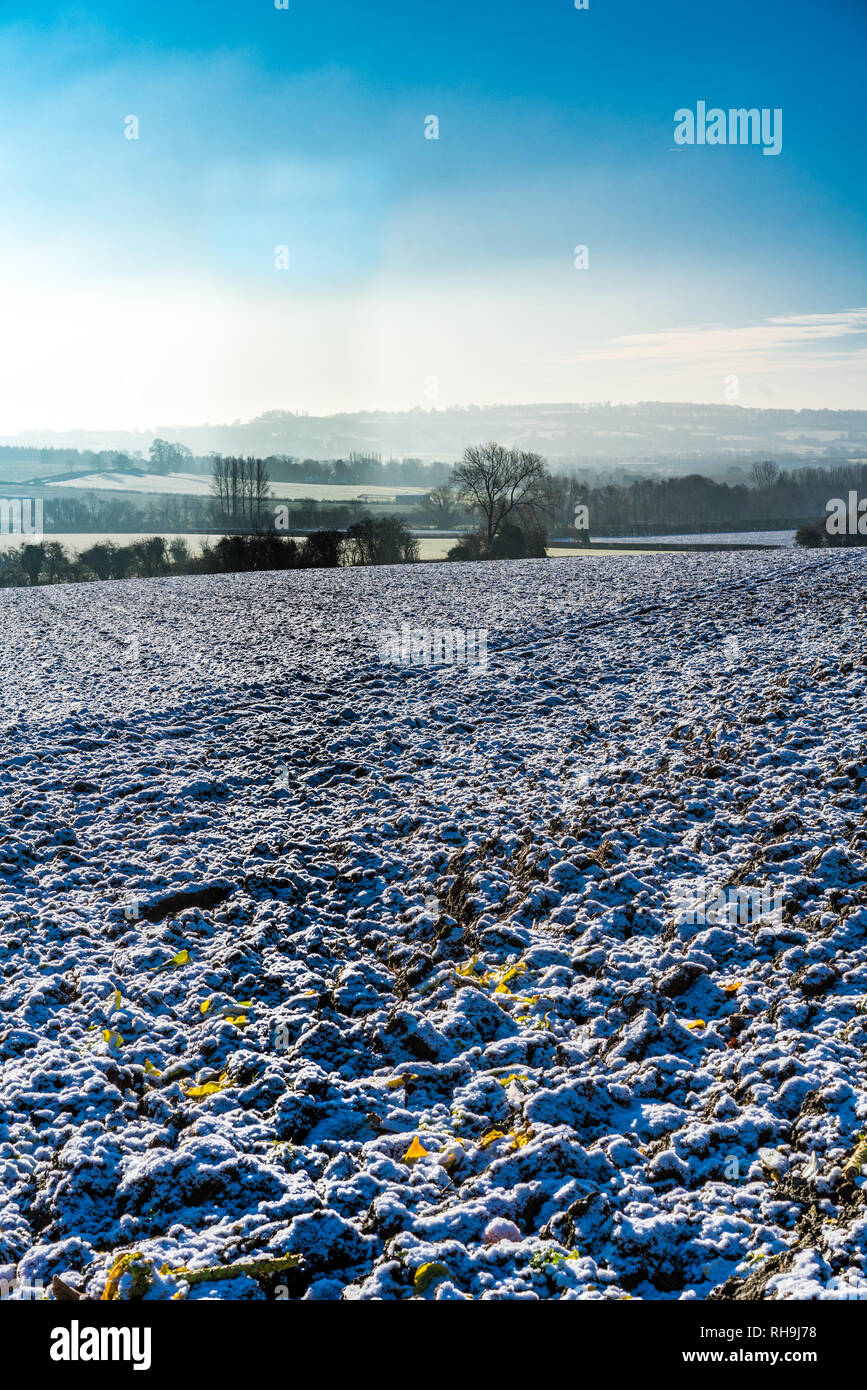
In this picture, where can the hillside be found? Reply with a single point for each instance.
(566, 433)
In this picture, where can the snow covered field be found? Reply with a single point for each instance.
(387, 967)
(784, 538)
(199, 485)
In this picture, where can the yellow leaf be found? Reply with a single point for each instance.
(239, 1020)
(203, 1008)
(732, 988)
(696, 1023)
(117, 1272)
(116, 999)
(855, 1165)
(503, 977)
(429, 1274)
(150, 1069)
(469, 968)
(518, 1137)
(397, 1082)
(182, 958)
(113, 1039)
(514, 970)
(490, 1137)
(209, 1088)
(415, 1150)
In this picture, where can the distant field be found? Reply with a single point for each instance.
(21, 473)
(76, 541)
(198, 485)
(786, 538)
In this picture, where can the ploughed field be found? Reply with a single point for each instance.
(324, 977)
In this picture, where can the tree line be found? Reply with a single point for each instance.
(773, 497)
(508, 496)
(177, 514)
(370, 541)
(241, 493)
(518, 503)
(242, 488)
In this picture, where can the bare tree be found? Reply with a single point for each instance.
(497, 482)
(260, 489)
(236, 489)
(764, 474)
(441, 507)
(242, 487)
(220, 482)
(557, 500)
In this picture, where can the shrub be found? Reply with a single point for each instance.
(513, 542)
(261, 551)
(811, 535)
(386, 540)
(470, 548)
(322, 550)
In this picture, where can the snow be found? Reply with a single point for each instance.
(782, 538)
(411, 934)
(199, 485)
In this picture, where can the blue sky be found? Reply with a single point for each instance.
(141, 285)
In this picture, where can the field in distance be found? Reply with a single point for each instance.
(199, 485)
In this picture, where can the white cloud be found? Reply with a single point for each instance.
(716, 345)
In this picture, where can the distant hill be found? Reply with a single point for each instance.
(573, 434)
